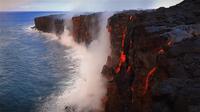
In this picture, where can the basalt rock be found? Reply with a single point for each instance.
(85, 27)
(50, 24)
(154, 64)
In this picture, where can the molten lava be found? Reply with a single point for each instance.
(161, 51)
(121, 61)
(122, 58)
(149, 75)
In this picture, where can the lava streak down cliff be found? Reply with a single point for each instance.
(148, 64)
(155, 61)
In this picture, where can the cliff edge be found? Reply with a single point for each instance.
(154, 66)
(155, 61)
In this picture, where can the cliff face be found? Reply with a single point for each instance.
(155, 61)
(154, 66)
(50, 24)
(85, 27)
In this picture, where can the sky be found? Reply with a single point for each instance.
(83, 5)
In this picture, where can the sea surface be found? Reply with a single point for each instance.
(32, 67)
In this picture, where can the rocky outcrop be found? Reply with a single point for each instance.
(85, 27)
(154, 65)
(50, 24)
(155, 61)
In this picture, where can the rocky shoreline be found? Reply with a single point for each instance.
(155, 61)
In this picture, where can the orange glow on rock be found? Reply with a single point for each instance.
(161, 51)
(122, 57)
(170, 43)
(149, 75)
(117, 69)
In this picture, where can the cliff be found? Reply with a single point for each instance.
(50, 24)
(85, 27)
(154, 66)
(155, 61)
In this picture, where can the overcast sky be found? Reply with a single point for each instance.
(82, 5)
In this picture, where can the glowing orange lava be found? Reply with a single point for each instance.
(121, 61)
(161, 51)
(122, 58)
(149, 75)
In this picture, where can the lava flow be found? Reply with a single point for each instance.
(122, 58)
(153, 70)
(149, 75)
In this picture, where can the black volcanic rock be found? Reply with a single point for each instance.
(154, 65)
(155, 55)
(85, 27)
(50, 24)
(84, 30)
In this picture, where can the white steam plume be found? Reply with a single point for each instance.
(88, 86)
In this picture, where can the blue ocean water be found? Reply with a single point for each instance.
(31, 67)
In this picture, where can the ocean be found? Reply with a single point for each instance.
(32, 67)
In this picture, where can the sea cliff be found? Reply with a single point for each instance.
(154, 64)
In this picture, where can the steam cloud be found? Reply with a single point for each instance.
(88, 88)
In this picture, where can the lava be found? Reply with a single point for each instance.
(149, 75)
(117, 69)
(122, 58)
(161, 51)
(121, 61)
